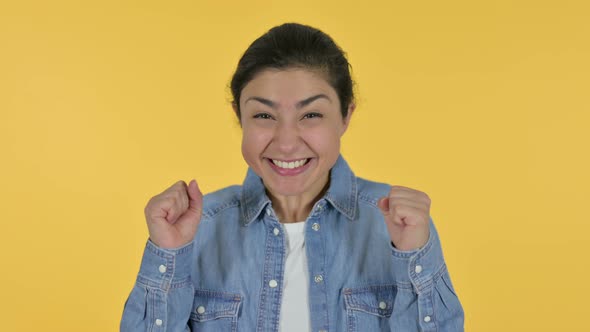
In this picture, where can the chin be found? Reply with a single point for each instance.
(285, 189)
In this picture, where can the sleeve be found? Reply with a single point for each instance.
(162, 297)
(439, 308)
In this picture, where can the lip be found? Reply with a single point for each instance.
(287, 160)
(289, 172)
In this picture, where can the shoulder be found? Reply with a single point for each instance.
(222, 199)
(369, 192)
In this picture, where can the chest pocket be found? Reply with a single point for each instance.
(215, 311)
(369, 308)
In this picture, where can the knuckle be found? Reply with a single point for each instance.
(395, 208)
(174, 187)
(177, 194)
(169, 200)
(181, 197)
(151, 202)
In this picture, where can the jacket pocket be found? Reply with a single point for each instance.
(215, 311)
(369, 308)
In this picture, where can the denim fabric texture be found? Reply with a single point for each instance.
(229, 278)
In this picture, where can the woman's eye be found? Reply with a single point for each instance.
(262, 116)
(312, 115)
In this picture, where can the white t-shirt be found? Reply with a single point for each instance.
(294, 316)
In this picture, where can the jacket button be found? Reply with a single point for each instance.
(201, 309)
(418, 268)
(273, 283)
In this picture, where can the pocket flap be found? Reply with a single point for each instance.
(375, 300)
(210, 305)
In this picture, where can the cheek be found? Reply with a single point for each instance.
(326, 142)
(253, 142)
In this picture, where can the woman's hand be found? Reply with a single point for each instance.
(407, 216)
(174, 215)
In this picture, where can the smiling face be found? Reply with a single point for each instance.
(291, 125)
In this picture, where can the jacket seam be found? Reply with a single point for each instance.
(210, 213)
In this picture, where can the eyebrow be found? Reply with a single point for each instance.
(299, 104)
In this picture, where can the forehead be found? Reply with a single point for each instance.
(287, 86)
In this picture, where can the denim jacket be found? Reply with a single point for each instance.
(229, 278)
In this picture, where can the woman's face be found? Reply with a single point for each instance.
(291, 124)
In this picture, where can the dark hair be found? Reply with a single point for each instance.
(293, 45)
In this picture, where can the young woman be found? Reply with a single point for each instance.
(303, 244)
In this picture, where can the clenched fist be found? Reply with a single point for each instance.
(407, 216)
(173, 216)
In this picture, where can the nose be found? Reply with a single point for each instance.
(287, 138)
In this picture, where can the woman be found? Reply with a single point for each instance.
(303, 244)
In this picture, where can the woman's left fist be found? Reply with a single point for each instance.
(407, 216)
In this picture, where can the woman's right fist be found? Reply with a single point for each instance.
(173, 216)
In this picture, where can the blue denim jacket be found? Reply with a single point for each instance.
(229, 278)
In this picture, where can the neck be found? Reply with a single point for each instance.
(296, 208)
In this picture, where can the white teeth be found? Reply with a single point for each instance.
(289, 165)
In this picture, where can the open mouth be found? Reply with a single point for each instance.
(290, 164)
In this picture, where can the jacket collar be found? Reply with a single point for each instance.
(342, 193)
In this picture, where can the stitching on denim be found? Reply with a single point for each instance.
(211, 212)
(428, 283)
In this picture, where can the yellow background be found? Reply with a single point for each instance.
(484, 105)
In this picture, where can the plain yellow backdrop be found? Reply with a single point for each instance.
(484, 105)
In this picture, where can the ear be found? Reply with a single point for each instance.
(351, 108)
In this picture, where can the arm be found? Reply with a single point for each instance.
(439, 308)
(162, 297)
